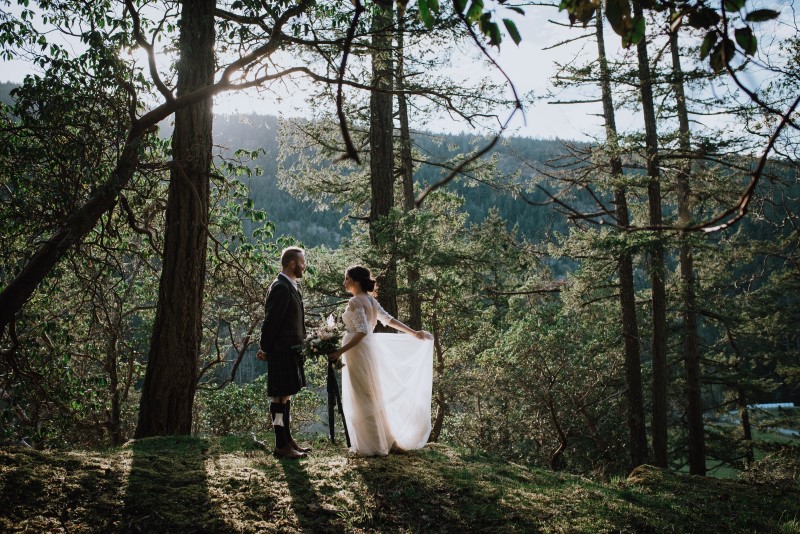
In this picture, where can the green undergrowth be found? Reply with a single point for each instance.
(231, 485)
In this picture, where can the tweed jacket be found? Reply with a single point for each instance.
(283, 328)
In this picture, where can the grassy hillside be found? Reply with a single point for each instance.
(230, 485)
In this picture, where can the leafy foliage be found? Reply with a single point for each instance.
(716, 22)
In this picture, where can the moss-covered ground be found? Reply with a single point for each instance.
(232, 485)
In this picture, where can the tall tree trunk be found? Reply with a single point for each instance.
(697, 446)
(170, 378)
(441, 401)
(657, 282)
(747, 431)
(637, 431)
(381, 163)
(112, 367)
(407, 174)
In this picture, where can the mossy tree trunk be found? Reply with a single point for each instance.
(381, 141)
(691, 353)
(657, 271)
(637, 431)
(407, 175)
(171, 375)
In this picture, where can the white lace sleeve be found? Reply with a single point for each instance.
(357, 317)
(383, 316)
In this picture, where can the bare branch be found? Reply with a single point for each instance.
(785, 118)
(267, 48)
(744, 200)
(151, 55)
(351, 152)
(584, 36)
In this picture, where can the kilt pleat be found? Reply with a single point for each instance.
(285, 374)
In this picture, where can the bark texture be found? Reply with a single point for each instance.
(637, 432)
(171, 375)
(381, 148)
(657, 271)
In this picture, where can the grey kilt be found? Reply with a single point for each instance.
(285, 373)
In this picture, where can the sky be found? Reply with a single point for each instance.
(529, 65)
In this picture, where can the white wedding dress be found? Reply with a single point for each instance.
(386, 384)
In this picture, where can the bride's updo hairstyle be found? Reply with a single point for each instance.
(360, 274)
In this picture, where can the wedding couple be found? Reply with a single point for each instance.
(386, 381)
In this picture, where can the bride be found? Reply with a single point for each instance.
(387, 378)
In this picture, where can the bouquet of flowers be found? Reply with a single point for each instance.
(322, 340)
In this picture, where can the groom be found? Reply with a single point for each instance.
(281, 334)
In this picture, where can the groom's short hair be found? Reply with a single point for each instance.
(290, 254)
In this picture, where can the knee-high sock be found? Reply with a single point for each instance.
(287, 420)
(276, 411)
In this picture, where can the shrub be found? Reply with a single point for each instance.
(780, 468)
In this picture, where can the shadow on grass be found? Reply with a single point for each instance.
(420, 491)
(306, 502)
(168, 488)
(53, 491)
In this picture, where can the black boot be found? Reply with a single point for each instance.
(282, 447)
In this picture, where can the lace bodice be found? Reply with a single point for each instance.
(363, 313)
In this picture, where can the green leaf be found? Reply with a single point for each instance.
(461, 5)
(636, 34)
(512, 30)
(717, 64)
(746, 39)
(722, 53)
(485, 23)
(434, 5)
(475, 10)
(517, 9)
(618, 13)
(709, 41)
(734, 5)
(495, 37)
(704, 18)
(583, 10)
(425, 14)
(760, 15)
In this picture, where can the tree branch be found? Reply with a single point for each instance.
(350, 149)
(151, 55)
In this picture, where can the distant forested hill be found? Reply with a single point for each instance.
(5, 92)
(316, 227)
(294, 217)
(290, 215)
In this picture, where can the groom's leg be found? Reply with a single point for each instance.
(276, 411)
(283, 448)
(287, 419)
